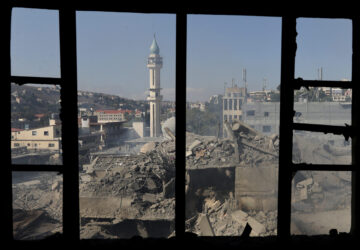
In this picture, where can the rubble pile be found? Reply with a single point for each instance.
(213, 177)
(37, 204)
(137, 187)
(245, 146)
(230, 183)
(226, 221)
(316, 196)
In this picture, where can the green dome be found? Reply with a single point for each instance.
(154, 48)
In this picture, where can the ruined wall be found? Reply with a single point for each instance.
(256, 187)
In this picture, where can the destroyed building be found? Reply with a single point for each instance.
(230, 183)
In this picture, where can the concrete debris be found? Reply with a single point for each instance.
(205, 226)
(169, 133)
(230, 183)
(37, 205)
(148, 147)
(247, 147)
(141, 188)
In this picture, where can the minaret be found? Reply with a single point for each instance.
(154, 64)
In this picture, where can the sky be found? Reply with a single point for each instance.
(112, 49)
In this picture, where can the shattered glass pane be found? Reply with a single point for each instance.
(35, 124)
(126, 113)
(321, 201)
(232, 142)
(320, 148)
(37, 205)
(319, 106)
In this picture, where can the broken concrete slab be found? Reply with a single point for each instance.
(152, 198)
(103, 207)
(169, 188)
(194, 145)
(240, 216)
(257, 228)
(150, 146)
(205, 226)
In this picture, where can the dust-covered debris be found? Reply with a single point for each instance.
(255, 182)
(37, 205)
(137, 187)
(230, 182)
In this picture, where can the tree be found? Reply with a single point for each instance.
(201, 122)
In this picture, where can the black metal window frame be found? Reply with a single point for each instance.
(68, 113)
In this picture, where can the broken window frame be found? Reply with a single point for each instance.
(68, 95)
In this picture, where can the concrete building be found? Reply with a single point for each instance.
(139, 128)
(154, 64)
(264, 116)
(105, 116)
(233, 100)
(45, 138)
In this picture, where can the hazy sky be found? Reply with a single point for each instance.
(113, 49)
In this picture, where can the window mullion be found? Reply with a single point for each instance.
(181, 28)
(6, 173)
(288, 52)
(68, 115)
(355, 122)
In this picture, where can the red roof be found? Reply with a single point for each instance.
(16, 129)
(111, 111)
(39, 115)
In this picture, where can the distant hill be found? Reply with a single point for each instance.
(28, 101)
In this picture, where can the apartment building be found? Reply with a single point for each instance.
(44, 138)
(233, 100)
(105, 116)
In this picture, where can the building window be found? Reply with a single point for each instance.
(51, 145)
(250, 112)
(266, 114)
(266, 129)
(16, 145)
(225, 104)
(230, 104)
(225, 117)
(34, 132)
(46, 133)
(235, 104)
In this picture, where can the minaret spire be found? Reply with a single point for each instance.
(154, 64)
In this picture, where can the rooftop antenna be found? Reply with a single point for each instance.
(320, 74)
(264, 83)
(232, 82)
(244, 77)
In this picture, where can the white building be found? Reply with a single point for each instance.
(45, 138)
(154, 64)
(105, 116)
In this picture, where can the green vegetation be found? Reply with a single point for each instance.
(202, 122)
